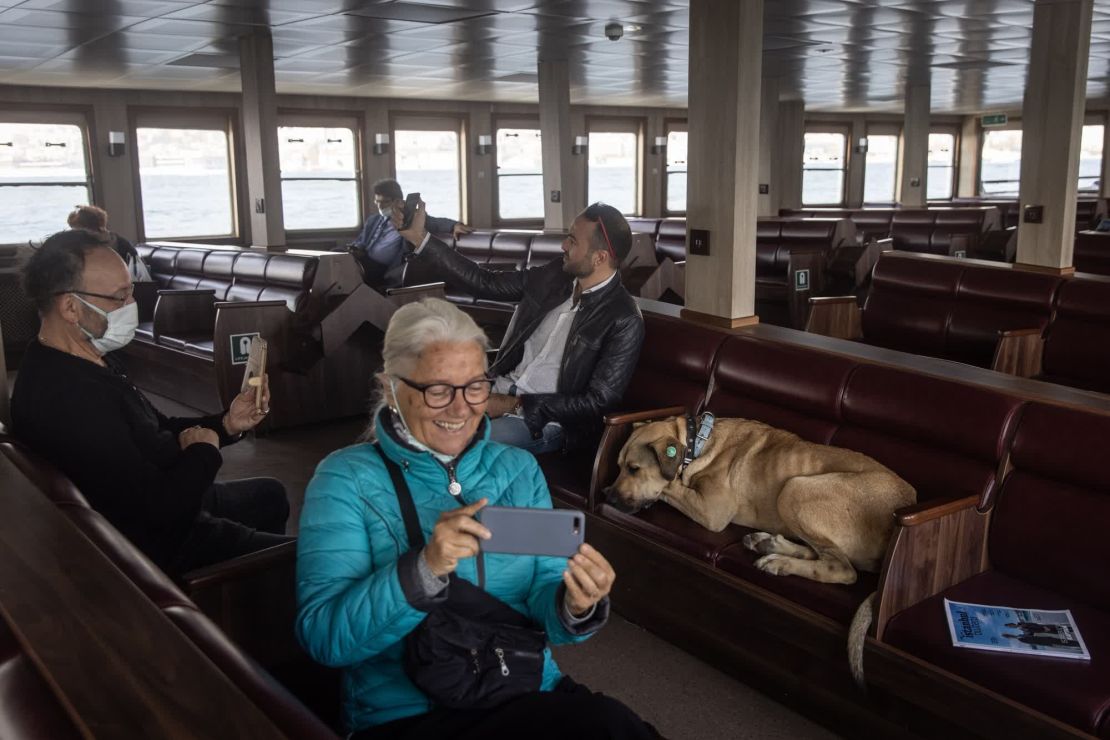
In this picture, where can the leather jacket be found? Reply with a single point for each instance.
(602, 347)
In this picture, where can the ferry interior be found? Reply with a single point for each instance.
(880, 225)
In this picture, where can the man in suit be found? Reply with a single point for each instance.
(379, 248)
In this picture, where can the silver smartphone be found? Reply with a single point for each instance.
(525, 531)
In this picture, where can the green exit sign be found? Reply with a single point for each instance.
(998, 119)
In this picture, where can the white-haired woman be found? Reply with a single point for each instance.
(362, 586)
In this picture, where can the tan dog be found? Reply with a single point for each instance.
(838, 502)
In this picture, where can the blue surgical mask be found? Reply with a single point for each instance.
(121, 326)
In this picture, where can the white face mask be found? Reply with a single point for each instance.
(121, 326)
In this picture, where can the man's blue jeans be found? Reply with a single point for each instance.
(511, 430)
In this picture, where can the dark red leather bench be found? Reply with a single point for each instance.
(1077, 342)
(255, 601)
(981, 313)
(949, 432)
(1042, 547)
(785, 248)
(322, 324)
(1092, 252)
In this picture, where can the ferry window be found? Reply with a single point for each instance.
(43, 175)
(823, 168)
(676, 172)
(429, 163)
(1090, 159)
(942, 166)
(319, 177)
(880, 168)
(519, 174)
(613, 167)
(1000, 171)
(185, 180)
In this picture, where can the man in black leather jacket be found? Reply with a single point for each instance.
(573, 341)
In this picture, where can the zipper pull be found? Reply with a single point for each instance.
(501, 659)
(474, 657)
(453, 487)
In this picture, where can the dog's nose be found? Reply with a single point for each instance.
(610, 494)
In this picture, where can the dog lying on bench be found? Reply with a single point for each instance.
(840, 503)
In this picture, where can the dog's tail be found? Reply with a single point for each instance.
(857, 635)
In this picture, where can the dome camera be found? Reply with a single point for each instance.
(613, 31)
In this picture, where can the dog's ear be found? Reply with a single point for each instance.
(668, 451)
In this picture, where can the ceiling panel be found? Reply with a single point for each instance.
(835, 54)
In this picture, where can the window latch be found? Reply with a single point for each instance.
(60, 143)
(295, 141)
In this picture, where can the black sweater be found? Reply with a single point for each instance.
(96, 427)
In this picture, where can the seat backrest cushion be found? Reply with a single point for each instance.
(785, 386)
(671, 239)
(1077, 345)
(475, 246)
(1049, 525)
(990, 300)
(908, 305)
(509, 249)
(544, 248)
(946, 439)
(674, 367)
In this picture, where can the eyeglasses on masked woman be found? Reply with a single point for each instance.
(442, 395)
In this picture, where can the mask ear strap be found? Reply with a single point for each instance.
(396, 407)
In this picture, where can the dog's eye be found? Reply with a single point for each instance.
(633, 468)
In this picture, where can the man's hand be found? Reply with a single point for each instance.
(499, 404)
(243, 414)
(460, 229)
(588, 578)
(198, 435)
(454, 538)
(416, 232)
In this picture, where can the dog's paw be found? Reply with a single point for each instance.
(754, 540)
(776, 565)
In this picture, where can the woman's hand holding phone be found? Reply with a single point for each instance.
(454, 538)
(589, 578)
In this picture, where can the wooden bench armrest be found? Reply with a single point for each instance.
(629, 417)
(927, 511)
(835, 316)
(1019, 352)
(240, 567)
(225, 305)
(934, 546)
(410, 293)
(183, 312)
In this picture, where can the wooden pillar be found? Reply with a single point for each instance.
(1052, 126)
(915, 145)
(260, 141)
(482, 172)
(857, 163)
(967, 182)
(116, 183)
(791, 145)
(1104, 183)
(726, 60)
(768, 152)
(558, 196)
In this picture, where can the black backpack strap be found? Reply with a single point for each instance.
(404, 498)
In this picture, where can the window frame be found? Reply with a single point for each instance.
(678, 125)
(636, 126)
(79, 116)
(337, 119)
(424, 121)
(827, 127)
(884, 129)
(953, 180)
(497, 124)
(208, 119)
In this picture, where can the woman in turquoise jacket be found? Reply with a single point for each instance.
(361, 589)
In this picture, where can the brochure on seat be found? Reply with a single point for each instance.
(1008, 630)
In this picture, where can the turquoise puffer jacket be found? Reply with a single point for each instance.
(352, 611)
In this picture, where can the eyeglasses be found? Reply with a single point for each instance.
(126, 297)
(442, 395)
